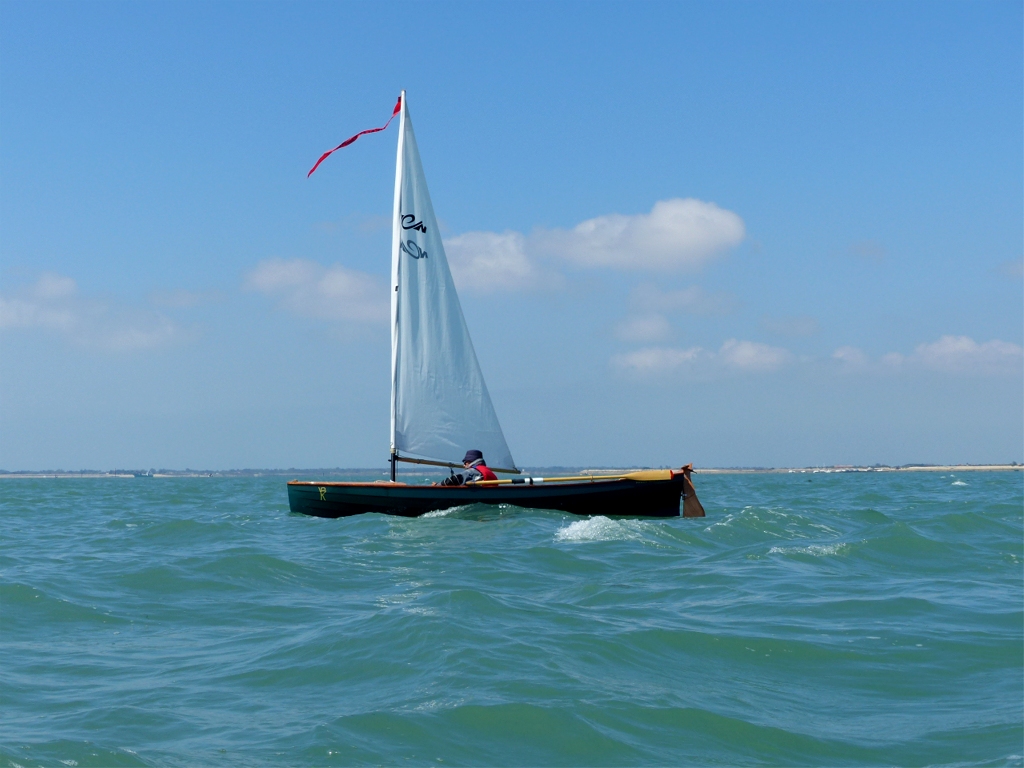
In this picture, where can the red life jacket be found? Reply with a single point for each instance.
(486, 472)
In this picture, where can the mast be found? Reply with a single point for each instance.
(396, 240)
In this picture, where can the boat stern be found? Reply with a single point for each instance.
(691, 504)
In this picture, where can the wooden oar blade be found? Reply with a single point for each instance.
(650, 474)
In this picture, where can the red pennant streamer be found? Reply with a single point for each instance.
(346, 142)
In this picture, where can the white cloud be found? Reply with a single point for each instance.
(676, 234)
(489, 261)
(734, 355)
(657, 359)
(850, 356)
(693, 300)
(751, 356)
(128, 333)
(324, 293)
(53, 286)
(959, 354)
(53, 303)
(643, 328)
(49, 303)
(650, 304)
(950, 354)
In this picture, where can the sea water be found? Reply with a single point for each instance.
(809, 619)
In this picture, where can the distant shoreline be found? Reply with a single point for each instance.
(299, 473)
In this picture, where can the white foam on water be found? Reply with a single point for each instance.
(439, 704)
(72, 763)
(723, 522)
(824, 528)
(438, 513)
(600, 529)
(817, 550)
(959, 482)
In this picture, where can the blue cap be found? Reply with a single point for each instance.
(472, 456)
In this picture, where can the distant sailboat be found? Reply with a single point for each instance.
(440, 406)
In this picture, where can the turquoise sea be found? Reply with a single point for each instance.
(809, 619)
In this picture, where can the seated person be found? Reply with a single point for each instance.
(475, 469)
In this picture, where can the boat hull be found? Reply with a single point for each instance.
(647, 498)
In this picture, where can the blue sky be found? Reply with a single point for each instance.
(804, 242)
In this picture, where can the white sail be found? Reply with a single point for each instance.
(440, 406)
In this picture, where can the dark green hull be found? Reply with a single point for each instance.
(649, 498)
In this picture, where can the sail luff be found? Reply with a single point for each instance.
(396, 240)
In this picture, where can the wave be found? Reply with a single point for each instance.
(602, 529)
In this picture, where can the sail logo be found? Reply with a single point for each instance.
(413, 250)
(409, 222)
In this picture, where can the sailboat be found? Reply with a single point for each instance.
(440, 406)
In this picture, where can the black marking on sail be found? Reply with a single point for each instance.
(410, 247)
